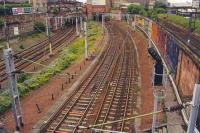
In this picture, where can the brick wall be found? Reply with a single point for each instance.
(23, 22)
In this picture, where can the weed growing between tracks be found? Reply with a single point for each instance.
(69, 55)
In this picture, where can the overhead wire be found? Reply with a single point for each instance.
(34, 62)
(168, 109)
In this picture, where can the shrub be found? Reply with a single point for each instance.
(39, 26)
(66, 57)
(135, 9)
(55, 10)
(159, 5)
(22, 77)
(1, 22)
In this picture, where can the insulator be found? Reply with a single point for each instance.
(176, 108)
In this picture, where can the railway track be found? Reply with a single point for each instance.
(39, 50)
(182, 35)
(107, 94)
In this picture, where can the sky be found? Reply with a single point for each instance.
(173, 1)
(82, 0)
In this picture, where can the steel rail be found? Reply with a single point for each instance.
(20, 65)
(94, 73)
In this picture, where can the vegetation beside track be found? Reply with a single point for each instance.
(68, 56)
(150, 13)
(180, 21)
(159, 13)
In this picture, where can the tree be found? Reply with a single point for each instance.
(135, 9)
(152, 14)
(143, 13)
(160, 10)
(160, 5)
(39, 27)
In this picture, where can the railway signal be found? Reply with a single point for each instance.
(13, 90)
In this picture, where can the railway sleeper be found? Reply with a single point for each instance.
(68, 130)
(82, 104)
(79, 108)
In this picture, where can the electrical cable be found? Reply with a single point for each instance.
(34, 62)
(168, 109)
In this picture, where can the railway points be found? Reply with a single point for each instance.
(110, 67)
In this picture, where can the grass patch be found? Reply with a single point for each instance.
(67, 57)
(180, 21)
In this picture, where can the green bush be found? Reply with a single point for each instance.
(22, 77)
(55, 10)
(69, 55)
(159, 5)
(135, 9)
(39, 26)
(152, 13)
(1, 22)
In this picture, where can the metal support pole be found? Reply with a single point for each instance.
(49, 37)
(77, 31)
(47, 25)
(128, 18)
(86, 44)
(61, 22)
(5, 27)
(195, 109)
(149, 43)
(12, 84)
(72, 19)
(154, 115)
(81, 21)
(97, 17)
(134, 23)
(190, 28)
(158, 94)
(56, 23)
(102, 23)
(155, 102)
